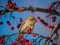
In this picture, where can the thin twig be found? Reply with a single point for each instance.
(52, 33)
(33, 10)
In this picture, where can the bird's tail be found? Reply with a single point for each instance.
(20, 34)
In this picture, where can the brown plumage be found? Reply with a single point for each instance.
(29, 22)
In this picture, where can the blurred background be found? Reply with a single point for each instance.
(39, 28)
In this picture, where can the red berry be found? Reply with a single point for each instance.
(17, 39)
(0, 41)
(20, 9)
(50, 8)
(29, 43)
(21, 20)
(29, 30)
(14, 4)
(49, 26)
(8, 22)
(52, 27)
(7, 4)
(2, 44)
(38, 17)
(21, 36)
(55, 44)
(12, 28)
(54, 19)
(34, 34)
(18, 26)
(10, 4)
(46, 24)
(14, 43)
(22, 43)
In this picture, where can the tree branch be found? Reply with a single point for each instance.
(52, 33)
(25, 33)
(2, 12)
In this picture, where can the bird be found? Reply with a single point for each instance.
(28, 23)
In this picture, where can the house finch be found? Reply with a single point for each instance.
(28, 23)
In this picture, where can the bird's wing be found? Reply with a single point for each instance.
(32, 26)
(24, 26)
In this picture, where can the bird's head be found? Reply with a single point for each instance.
(32, 18)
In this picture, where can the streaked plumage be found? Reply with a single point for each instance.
(29, 22)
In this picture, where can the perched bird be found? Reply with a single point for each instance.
(27, 24)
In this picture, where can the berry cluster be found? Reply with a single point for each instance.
(45, 23)
(10, 4)
(2, 40)
(22, 41)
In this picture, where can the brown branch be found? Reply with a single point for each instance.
(25, 33)
(52, 33)
(2, 12)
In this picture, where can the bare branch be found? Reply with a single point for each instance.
(25, 33)
(2, 12)
(52, 33)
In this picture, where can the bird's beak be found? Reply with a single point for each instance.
(35, 20)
